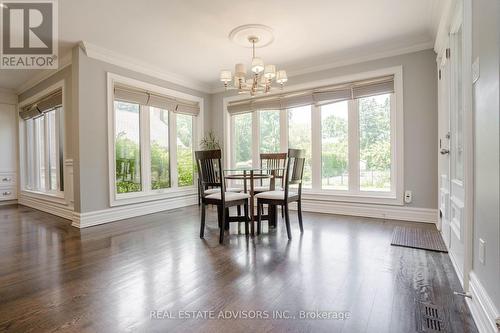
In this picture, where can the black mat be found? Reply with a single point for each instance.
(418, 238)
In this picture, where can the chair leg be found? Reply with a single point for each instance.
(247, 218)
(238, 208)
(259, 216)
(226, 214)
(287, 222)
(219, 216)
(299, 208)
(223, 226)
(202, 226)
(282, 211)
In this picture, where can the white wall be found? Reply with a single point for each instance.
(420, 117)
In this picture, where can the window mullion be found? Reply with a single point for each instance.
(46, 152)
(255, 139)
(316, 147)
(283, 130)
(172, 146)
(144, 130)
(353, 144)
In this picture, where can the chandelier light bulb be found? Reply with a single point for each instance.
(225, 76)
(257, 65)
(281, 77)
(240, 71)
(270, 72)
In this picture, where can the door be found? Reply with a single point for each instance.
(444, 149)
(451, 150)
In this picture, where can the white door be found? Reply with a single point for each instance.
(452, 186)
(444, 149)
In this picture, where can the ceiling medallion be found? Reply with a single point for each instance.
(260, 79)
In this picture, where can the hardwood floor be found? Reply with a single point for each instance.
(110, 278)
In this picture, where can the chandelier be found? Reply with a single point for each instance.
(260, 79)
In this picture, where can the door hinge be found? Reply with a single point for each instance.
(448, 53)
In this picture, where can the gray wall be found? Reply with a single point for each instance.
(485, 30)
(92, 181)
(420, 117)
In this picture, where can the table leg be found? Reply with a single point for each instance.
(252, 208)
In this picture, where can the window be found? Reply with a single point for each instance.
(299, 137)
(154, 138)
(242, 140)
(334, 146)
(269, 132)
(44, 154)
(159, 139)
(375, 143)
(352, 134)
(127, 147)
(185, 163)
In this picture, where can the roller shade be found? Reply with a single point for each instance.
(143, 97)
(45, 104)
(317, 96)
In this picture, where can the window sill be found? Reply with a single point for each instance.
(383, 198)
(138, 197)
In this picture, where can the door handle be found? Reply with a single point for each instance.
(444, 151)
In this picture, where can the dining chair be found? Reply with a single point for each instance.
(293, 176)
(211, 174)
(272, 161)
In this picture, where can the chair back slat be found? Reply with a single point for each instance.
(276, 161)
(210, 168)
(295, 168)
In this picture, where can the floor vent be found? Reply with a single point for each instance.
(431, 318)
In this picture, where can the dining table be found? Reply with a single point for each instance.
(248, 175)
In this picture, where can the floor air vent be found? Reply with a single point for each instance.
(431, 318)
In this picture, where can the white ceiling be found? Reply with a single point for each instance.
(189, 37)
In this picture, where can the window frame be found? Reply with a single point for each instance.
(147, 193)
(27, 160)
(354, 194)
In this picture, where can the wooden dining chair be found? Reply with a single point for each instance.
(293, 176)
(211, 174)
(272, 161)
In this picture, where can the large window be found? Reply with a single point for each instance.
(154, 138)
(334, 146)
(375, 143)
(299, 137)
(185, 162)
(43, 152)
(242, 129)
(352, 135)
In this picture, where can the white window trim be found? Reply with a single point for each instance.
(60, 197)
(395, 196)
(147, 194)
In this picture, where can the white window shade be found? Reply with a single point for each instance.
(317, 96)
(45, 104)
(143, 97)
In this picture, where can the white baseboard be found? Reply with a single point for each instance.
(482, 308)
(403, 213)
(47, 206)
(88, 219)
(8, 203)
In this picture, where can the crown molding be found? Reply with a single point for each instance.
(99, 53)
(349, 60)
(36, 79)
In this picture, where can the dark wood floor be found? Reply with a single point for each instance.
(109, 278)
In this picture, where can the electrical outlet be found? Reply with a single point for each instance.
(408, 196)
(482, 250)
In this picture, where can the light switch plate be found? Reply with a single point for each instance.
(482, 250)
(475, 70)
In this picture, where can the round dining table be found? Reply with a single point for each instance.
(250, 175)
